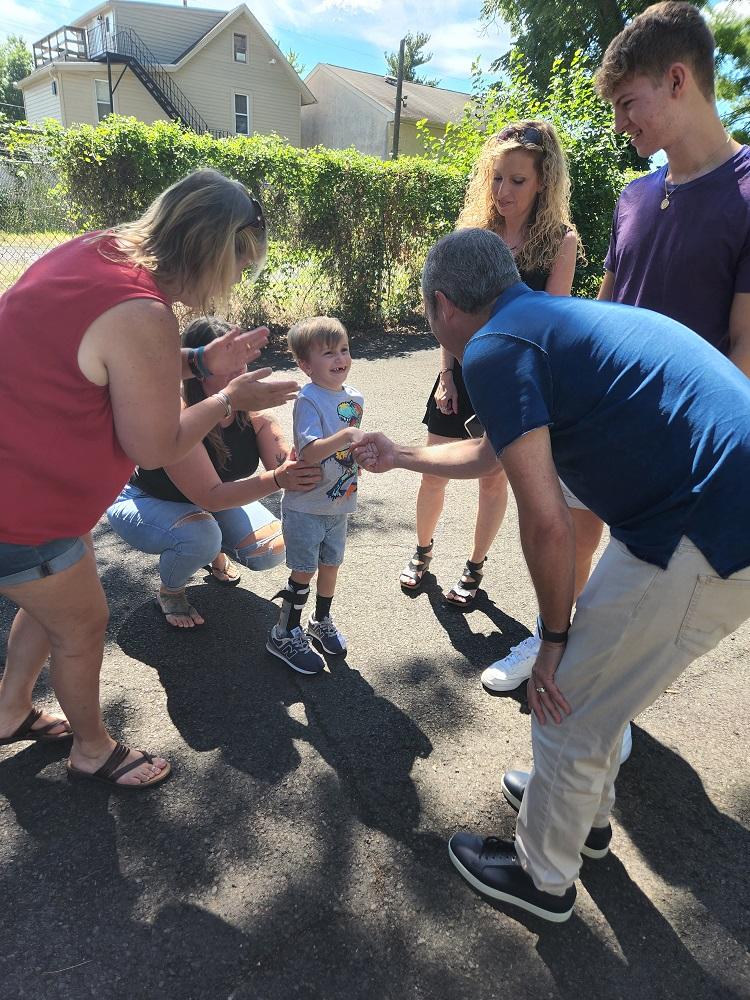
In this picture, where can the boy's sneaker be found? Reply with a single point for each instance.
(514, 669)
(295, 650)
(326, 635)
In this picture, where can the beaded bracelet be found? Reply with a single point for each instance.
(197, 363)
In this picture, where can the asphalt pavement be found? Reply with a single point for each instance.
(299, 849)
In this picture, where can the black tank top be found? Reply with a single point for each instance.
(243, 461)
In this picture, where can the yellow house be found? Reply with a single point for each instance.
(214, 71)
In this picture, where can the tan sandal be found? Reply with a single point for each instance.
(229, 571)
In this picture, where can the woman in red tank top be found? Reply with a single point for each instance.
(89, 387)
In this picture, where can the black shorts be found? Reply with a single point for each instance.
(449, 425)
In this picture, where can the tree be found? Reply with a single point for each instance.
(414, 57)
(295, 61)
(732, 33)
(15, 63)
(546, 29)
(293, 58)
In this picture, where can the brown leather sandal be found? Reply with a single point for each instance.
(110, 772)
(40, 735)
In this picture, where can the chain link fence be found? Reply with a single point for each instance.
(33, 215)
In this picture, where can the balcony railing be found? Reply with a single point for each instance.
(67, 43)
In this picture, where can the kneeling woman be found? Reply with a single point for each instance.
(206, 508)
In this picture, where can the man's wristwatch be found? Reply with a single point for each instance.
(547, 635)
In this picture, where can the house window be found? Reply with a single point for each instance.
(54, 86)
(102, 99)
(240, 48)
(242, 114)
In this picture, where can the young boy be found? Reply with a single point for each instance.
(327, 415)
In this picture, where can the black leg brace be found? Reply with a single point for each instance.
(293, 601)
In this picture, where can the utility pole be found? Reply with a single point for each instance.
(399, 83)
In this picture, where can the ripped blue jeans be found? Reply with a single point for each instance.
(184, 543)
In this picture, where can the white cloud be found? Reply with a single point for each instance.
(20, 20)
(344, 7)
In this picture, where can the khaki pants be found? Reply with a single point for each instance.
(635, 630)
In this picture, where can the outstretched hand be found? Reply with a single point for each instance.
(235, 349)
(375, 452)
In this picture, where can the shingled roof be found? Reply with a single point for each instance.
(433, 103)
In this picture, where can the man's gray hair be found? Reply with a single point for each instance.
(471, 267)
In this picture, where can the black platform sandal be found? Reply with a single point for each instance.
(415, 569)
(464, 595)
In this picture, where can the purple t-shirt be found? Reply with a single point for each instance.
(690, 260)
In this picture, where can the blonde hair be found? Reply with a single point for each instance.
(325, 331)
(549, 221)
(192, 235)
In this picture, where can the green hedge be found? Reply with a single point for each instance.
(357, 225)
(349, 232)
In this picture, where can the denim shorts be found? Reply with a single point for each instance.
(24, 563)
(313, 538)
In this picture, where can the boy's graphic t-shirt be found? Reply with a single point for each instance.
(320, 413)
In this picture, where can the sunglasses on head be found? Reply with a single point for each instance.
(523, 133)
(257, 219)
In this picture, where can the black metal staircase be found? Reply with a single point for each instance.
(128, 47)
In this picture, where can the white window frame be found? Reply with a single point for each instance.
(236, 113)
(236, 51)
(97, 102)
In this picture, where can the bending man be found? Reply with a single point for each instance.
(650, 427)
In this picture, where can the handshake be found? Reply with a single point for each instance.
(373, 451)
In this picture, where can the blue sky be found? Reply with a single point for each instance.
(352, 33)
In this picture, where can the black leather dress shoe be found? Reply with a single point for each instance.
(491, 866)
(597, 843)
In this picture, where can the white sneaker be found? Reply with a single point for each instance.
(627, 744)
(507, 674)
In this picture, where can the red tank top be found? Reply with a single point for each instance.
(61, 462)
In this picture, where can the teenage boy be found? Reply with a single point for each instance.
(681, 235)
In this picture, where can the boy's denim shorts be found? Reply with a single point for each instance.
(313, 538)
(24, 563)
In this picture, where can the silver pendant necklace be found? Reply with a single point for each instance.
(708, 166)
(664, 203)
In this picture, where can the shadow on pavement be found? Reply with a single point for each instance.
(684, 838)
(226, 692)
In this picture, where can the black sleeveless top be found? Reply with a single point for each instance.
(451, 425)
(243, 461)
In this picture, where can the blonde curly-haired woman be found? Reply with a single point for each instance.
(520, 189)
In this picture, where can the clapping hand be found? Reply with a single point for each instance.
(234, 350)
(255, 391)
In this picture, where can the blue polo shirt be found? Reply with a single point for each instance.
(649, 424)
